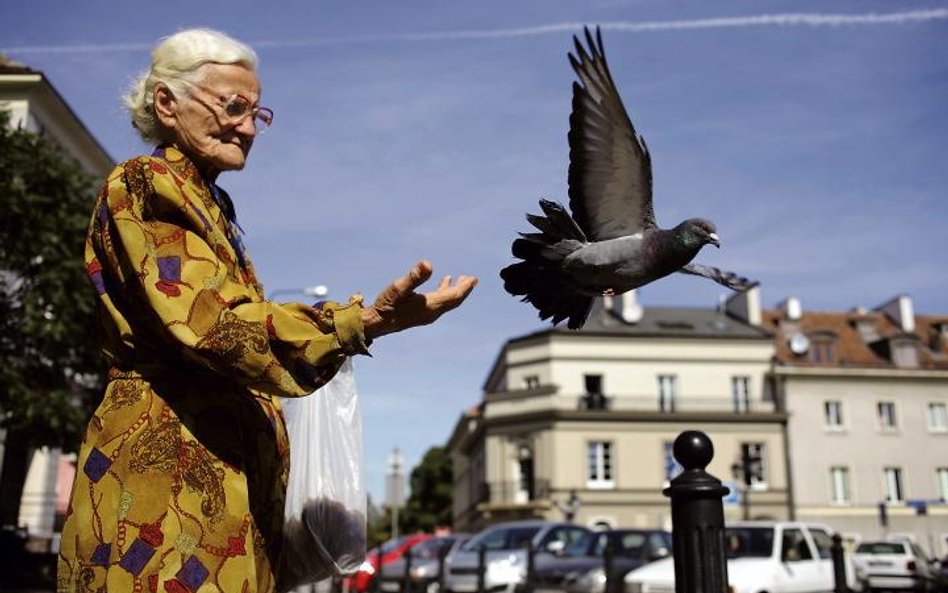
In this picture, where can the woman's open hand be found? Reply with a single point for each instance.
(399, 307)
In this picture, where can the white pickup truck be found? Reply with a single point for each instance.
(762, 557)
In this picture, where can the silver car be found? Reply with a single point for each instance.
(505, 554)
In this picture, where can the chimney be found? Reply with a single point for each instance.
(791, 308)
(900, 310)
(626, 307)
(745, 305)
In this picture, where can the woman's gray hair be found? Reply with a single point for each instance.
(174, 63)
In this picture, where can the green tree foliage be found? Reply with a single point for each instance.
(431, 500)
(49, 360)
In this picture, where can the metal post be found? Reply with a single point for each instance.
(406, 577)
(374, 583)
(697, 518)
(839, 565)
(531, 568)
(608, 558)
(442, 554)
(481, 553)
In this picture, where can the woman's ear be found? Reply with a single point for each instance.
(166, 106)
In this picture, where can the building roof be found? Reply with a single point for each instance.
(663, 322)
(860, 338)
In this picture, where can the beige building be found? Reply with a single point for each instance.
(35, 105)
(595, 412)
(867, 394)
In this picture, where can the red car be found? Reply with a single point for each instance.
(392, 550)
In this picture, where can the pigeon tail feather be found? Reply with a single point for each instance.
(538, 278)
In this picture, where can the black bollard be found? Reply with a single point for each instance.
(377, 577)
(481, 553)
(531, 577)
(442, 554)
(839, 565)
(406, 577)
(608, 560)
(697, 518)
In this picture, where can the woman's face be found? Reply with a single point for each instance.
(200, 124)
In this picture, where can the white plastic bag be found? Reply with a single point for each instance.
(324, 529)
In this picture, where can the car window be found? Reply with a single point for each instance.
(659, 543)
(501, 538)
(567, 535)
(919, 552)
(430, 547)
(880, 548)
(823, 541)
(793, 547)
(749, 542)
(587, 544)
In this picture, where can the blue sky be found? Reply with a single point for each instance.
(814, 134)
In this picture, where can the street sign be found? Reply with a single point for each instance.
(734, 494)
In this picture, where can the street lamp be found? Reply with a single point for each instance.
(316, 291)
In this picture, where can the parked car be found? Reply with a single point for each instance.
(581, 568)
(896, 565)
(505, 554)
(424, 565)
(391, 551)
(762, 556)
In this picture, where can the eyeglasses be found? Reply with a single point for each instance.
(236, 108)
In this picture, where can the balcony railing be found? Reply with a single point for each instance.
(653, 403)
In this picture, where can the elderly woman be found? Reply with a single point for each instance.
(182, 471)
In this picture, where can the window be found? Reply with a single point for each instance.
(839, 483)
(672, 467)
(823, 541)
(531, 381)
(938, 417)
(666, 393)
(893, 484)
(886, 413)
(740, 393)
(593, 399)
(823, 350)
(599, 464)
(941, 479)
(754, 461)
(793, 547)
(833, 414)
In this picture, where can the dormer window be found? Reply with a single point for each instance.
(822, 349)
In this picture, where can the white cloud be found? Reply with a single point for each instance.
(762, 20)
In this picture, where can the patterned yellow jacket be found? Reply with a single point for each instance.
(182, 472)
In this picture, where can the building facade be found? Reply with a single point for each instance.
(845, 411)
(594, 413)
(867, 394)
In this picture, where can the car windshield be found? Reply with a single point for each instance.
(430, 548)
(880, 548)
(502, 538)
(749, 542)
(392, 544)
(584, 544)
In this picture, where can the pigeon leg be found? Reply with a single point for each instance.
(609, 292)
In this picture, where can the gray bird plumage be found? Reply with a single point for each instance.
(611, 243)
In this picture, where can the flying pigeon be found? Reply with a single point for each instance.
(611, 243)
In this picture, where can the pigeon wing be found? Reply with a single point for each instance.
(729, 279)
(610, 172)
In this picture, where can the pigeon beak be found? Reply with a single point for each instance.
(714, 240)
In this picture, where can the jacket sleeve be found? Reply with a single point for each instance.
(171, 273)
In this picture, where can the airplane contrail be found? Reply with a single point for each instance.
(763, 20)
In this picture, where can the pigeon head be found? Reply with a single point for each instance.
(698, 232)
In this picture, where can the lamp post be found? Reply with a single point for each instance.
(316, 291)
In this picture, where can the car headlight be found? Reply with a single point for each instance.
(420, 572)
